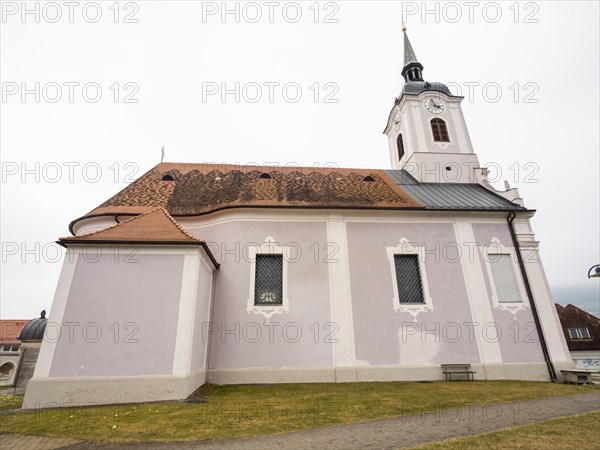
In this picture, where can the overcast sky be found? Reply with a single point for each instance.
(314, 83)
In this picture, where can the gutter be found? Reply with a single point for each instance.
(536, 318)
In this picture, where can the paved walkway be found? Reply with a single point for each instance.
(22, 442)
(398, 432)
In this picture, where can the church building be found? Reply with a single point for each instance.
(226, 274)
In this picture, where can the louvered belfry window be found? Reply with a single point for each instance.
(408, 278)
(439, 130)
(504, 278)
(268, 285)
(400, 143)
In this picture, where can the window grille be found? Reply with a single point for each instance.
(579, 333)
(504, 279)
(268, 285)
(408, 278)
(439, 130)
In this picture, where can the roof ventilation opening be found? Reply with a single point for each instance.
(448, 168)
(369, 179)
(167, 178)
(265, 176)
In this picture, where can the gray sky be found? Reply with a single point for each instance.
(332, 75)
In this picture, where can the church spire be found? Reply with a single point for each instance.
(413, 70)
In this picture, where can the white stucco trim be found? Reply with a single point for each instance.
(417, 119)
(405, 247)
(209, 317)
(498, 249)
(268, 247)
(91, 251)
(340, 295)
(57, 312)
(544, 302)
(536, 371)
(312, 215)
(481, 311)
(182, 360)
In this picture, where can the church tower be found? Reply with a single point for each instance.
(426, 129)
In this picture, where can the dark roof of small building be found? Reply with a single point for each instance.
(464, 196)
(34, 330)
(573, 317)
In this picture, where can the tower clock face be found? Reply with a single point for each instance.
(434, 105)
(397, 121)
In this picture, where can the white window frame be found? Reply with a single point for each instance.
(405, 247)
(10, 348)
(268, 247)
(579, 333)
(499, 249)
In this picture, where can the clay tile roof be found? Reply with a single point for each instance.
(154, 227)
(196, 189)
(10, 329)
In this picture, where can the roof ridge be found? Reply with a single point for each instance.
(179, 227)
(260, 166)
(113, 226)
(583, 311)
(137, 217)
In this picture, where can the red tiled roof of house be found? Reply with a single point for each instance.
(196, 189)
(153, 227)
(573, 317)
(11, 329)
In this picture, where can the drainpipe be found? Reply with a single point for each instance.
(534, 311)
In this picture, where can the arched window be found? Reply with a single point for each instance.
(400, 143)
(6, 370)
(440, 131)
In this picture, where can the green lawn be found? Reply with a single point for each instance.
(10, 402)
(250, 410)
(581, 432)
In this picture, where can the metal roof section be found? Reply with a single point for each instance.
(416, 87)
(409, 53)
(454, 196)
(34, 330)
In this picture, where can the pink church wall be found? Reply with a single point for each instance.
(236, 344)
(200, 345)
(386, 337)
(517, 338)
(104, 293)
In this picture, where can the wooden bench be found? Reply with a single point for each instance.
(576, 376)
(458, 369)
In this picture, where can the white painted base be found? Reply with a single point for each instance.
(78, 391)
(64, 392)
(501, 371)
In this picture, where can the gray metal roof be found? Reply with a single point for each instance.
(34, 330)
(416, 87)
(461, 196)
(409, 53)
